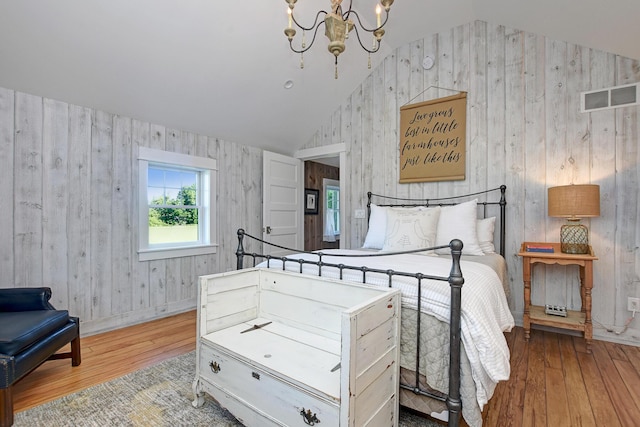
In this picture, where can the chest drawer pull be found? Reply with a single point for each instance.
(255, 375)
(309, 418)
(215, 368)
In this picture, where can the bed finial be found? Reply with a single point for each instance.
(456, 245)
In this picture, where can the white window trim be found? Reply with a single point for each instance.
(146, 155)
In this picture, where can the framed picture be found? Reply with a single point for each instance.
(311, 201)
(433, 150)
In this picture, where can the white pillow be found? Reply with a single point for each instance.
(459, 222)
(485, 229)
(409, 229)
(378, 225)
(377, 228)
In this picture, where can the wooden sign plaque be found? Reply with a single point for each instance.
(433, 140)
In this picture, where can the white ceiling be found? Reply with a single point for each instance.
(218, 68)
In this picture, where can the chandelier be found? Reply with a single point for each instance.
(338, 24)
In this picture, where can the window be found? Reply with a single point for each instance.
(176, 216)
(331, 191)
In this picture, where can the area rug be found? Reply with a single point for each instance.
(160, 395)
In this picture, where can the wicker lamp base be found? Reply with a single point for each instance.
(574, 239)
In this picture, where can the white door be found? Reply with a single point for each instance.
(282, 212)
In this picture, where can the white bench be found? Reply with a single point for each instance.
(282, 349)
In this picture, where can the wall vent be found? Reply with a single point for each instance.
(613, 97)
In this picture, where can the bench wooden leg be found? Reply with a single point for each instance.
(6, 407)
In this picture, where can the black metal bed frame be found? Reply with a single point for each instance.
(450, 201)
(455, 280)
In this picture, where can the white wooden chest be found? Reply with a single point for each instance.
(324, 351)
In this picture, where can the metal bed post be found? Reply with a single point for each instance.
(503, 205)
(454, 403)
(240, 251)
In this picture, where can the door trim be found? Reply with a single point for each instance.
(332, 151)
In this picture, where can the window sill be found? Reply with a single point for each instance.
(153, 254)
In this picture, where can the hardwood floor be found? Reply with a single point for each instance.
(107, 356)
(554, 381)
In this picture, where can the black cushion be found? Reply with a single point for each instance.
(22, 328)
(25, 299)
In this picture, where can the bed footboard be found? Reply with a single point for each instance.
(455, 280)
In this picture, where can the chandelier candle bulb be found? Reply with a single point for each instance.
(378, 11)
(289, 14)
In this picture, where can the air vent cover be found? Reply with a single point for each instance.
(613, 97)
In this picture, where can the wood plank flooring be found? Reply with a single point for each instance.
(554, 381)
(107, 356)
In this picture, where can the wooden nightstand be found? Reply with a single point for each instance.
(575, 320)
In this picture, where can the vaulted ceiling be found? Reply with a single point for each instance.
(219, 68)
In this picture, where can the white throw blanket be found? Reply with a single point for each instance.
(485, 312)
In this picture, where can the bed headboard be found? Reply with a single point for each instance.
(491, 202)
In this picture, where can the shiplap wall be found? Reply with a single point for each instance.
(525, 130)
(68, 175)
(68, 182)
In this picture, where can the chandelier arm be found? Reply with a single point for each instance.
(338, 25)
(315, 33)
(315, 22)
(345, 16)
(362, 45)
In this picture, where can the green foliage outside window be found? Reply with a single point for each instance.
(168, 216)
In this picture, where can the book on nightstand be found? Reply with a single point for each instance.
(539, 248)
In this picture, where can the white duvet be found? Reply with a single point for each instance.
(485, 312)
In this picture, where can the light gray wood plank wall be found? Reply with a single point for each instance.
(354, 184)
(78, 213)
(55, 199)
(627, 194)
(140, 286)
(525, 130)
(69, 178)
(27, 207)
(603, 138)
(7, 147)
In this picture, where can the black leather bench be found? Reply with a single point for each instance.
(31, 332)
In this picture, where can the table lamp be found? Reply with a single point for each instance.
(574, 202)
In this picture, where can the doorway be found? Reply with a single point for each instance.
(335, 156)
(322, 225)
